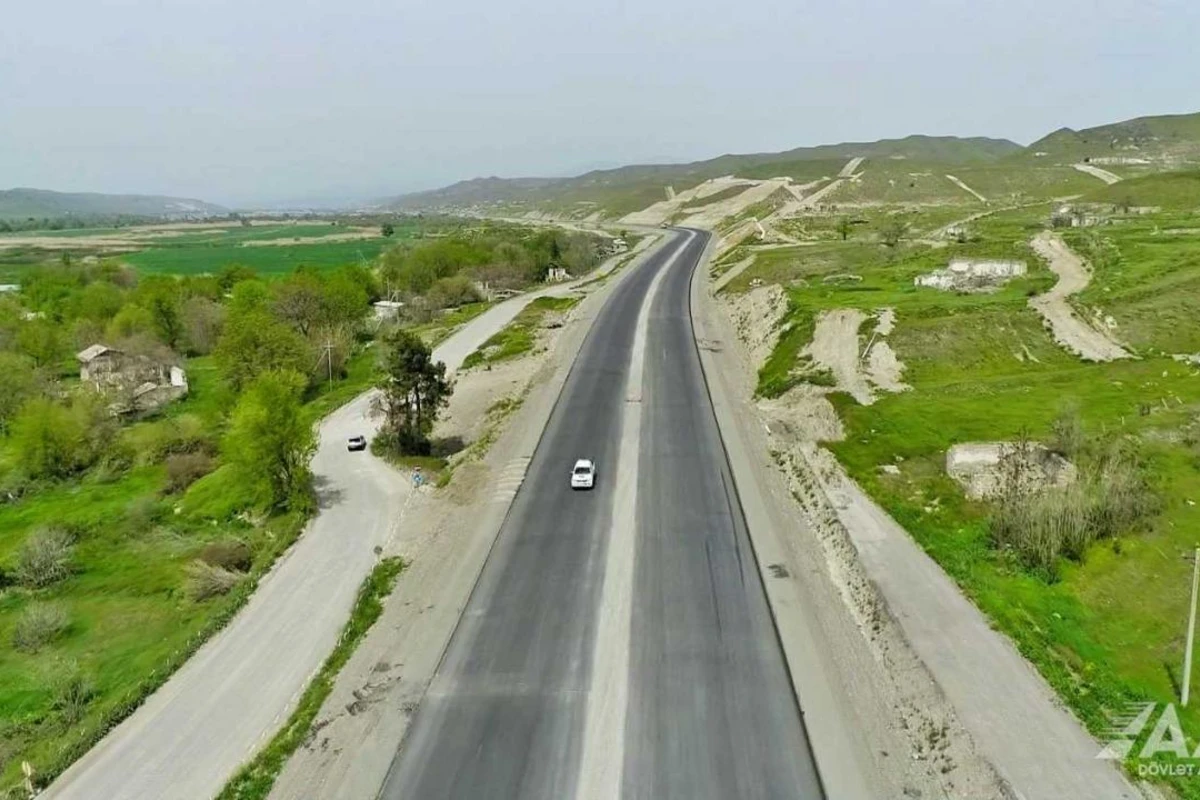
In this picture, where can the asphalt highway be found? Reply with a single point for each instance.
(618, 641)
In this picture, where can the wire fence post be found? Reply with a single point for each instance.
(1191, 632)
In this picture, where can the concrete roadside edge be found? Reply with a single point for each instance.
(832, 745)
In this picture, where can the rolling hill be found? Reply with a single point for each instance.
(614, 192)
(1002, 169)
(1171, 141)
(40, 203)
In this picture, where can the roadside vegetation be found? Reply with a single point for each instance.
(520, 336)
(129, 534)
(1090, 579)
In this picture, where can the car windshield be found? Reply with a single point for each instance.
(582, 469)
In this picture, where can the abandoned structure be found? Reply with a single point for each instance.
(140, 383)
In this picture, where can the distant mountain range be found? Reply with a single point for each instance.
(40, 203)
(1164, 142)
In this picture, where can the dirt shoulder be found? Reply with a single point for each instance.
(1069, 329)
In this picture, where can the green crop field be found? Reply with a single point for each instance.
(200, 258)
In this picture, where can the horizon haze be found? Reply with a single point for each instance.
(275, 104)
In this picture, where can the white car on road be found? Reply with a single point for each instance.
(583, 475)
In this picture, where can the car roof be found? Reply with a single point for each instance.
(583, 462)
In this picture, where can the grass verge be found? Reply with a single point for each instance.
(255, 779)
(519, 336)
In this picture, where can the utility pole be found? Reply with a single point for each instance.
(1191, 633)
(329, 359)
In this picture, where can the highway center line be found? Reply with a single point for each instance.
(603, 757)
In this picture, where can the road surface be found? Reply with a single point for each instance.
(618, 642)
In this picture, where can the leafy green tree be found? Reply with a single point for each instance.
(21, 383)
(254, 343)
(53, 440)
(412, 390)
(233, 274)
(131, 320)
(161, 296)
(387, 229)
(249, 295)
(270, 441)
(43, 341)
(343, 301)
(298, 299)
(98, 301)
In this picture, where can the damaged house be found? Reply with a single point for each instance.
(140, 383)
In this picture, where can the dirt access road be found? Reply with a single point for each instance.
(1070, 331)
(188, 739)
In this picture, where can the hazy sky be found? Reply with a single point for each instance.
(271, 101)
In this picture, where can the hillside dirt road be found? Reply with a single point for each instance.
(1069, 329)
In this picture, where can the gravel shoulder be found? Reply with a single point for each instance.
(1068, 328)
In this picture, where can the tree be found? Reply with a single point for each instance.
(893, 231)
(233, 274)
(297, 299)
(21, 383)
(844, 228)
(254, 343)
(203, 320)
(42, 341)
(50, 440)
(343, 301)
(387, 229)
(413, 388)
(131, 320)
(160, 295)
(270, 441)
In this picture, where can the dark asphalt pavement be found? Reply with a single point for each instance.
(711, 712)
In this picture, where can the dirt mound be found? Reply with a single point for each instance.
(972, 275)
(984, 468)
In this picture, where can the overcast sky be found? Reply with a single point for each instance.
(275, 101)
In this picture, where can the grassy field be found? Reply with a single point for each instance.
(200, 257)
(1105, 629)
(1147, 278)
(271, 249)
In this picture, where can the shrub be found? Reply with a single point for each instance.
(184, 469)
(205, 581)
(1067, 436)
(45, 558)
(72, 691)
(229, 554)
(39, 625)
(142, 512)
(1041, 525)
(457, 290)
